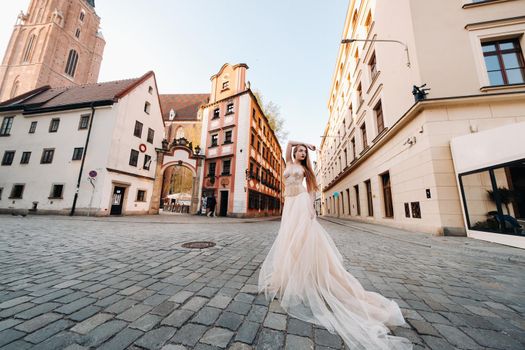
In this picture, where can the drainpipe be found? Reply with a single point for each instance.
(83, 160)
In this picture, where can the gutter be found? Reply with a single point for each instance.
(73, 207)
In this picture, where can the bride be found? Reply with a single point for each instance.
(305, 270)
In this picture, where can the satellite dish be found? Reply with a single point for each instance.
(172, 114)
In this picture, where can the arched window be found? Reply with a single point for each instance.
(14, 90)
(28, 52)
(179, 133)
(71, 64)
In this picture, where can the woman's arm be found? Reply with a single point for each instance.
(291, 144)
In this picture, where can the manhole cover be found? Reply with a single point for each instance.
(198, 245)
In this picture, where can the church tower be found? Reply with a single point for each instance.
(57, 43)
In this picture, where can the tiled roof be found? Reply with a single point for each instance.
(47, 98)
(184, 105)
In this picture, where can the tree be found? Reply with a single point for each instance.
(273, 113)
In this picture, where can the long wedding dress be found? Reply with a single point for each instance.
(305, 269)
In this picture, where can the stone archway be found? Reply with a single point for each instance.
(180, 155)
(178, 187)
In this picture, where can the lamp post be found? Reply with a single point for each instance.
(349, 41)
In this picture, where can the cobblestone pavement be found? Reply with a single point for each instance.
(85, 283)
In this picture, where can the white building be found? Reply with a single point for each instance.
(420, 161)
(88, 148)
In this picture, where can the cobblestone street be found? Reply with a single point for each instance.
(126, 283)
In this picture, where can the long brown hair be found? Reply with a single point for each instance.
(311, 183)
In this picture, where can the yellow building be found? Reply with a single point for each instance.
(402, 156)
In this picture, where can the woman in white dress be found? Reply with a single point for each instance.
(304, 269)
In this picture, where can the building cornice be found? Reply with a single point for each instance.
(408, 116)
(130, 174)
(495, 23)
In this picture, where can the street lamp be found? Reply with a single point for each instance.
(349, 41)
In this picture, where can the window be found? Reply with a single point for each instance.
(138, 129)
(407, 210)
(229, 108)
(53, 125)
(7, 123)
(363, 136)
(387, 195)
(14, 90)
(416, 210)
(29, 49)
(147, 107)
(370, 204)
(216, 113)
(151, 135)
(150, 90)
(71, 64)
(141, 196)
(77, 153)
(211, 169)
(252, 141)
(82, 15)
(359, 95)
(368, 21)
(179, 133)
(84, 122)
(228, 136)
(56, 191)
(225, 85)
(133, 157)
(17, 191)
(353, 147)
(77, 33)
(226, 167)
(32, 128)
(25, 157)
(214, 140)
(1, 191)
(378, 109)
(373, 66)
(8, 157)
(47, 156)
(357, 199)
(348, 200)
(147, 162)
(504, 62)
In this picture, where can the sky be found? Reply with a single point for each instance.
(290, 47)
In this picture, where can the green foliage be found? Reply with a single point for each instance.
(273, 113)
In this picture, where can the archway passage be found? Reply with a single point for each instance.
(177, 189)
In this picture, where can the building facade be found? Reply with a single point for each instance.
(244, 163)
(386, 155)
(56, 43)
(87, 150)
(181, 181)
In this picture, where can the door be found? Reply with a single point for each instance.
(117, 200)
(224, 203)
